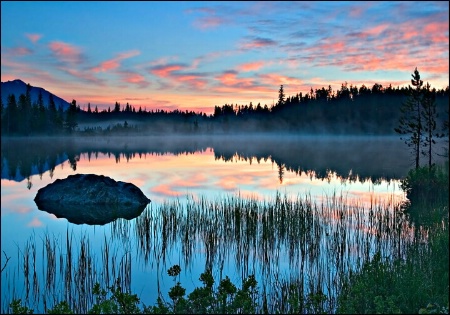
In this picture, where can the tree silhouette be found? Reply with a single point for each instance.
(11, 113)
(281, 95)
(429, 117)
(410, 123)
(70, 122)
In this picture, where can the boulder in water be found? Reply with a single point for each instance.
(91, 199)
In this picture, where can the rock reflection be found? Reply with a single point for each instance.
(91, 214)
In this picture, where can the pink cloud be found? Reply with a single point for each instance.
(376, 30)
(134, 78)
(66, 52)
(19, 51)
(107, 65)
(437, 31)
(230, 79)
(26, 72)
(209, 22)
(83, 75)
(258, 42)
(251, 66)
(273, 79)
(192, 80)
(173, 74)
(33, 37)
(114, 63)
(165, 71)
(334, 47)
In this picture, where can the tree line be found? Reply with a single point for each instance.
(349, 110)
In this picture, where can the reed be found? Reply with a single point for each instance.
(300, 250)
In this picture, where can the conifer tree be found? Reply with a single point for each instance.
(11, 114)
(25, 115)
(281, 96)
(429, 121)
(70, 122)
(410, 123)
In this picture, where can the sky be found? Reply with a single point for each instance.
(197, 55)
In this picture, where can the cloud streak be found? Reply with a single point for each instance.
(114, 63)
(66, 52)
(257, 43)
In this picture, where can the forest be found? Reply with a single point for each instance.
(351, 110)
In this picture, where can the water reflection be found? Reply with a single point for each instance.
(351, 158)
(91, 214)
(334, 218)
(283, 241)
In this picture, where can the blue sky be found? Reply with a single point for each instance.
(195, 55)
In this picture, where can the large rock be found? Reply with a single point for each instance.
(91, 199)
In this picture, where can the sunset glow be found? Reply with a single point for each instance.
(196, 55)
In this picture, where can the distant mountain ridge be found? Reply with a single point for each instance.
(18, 87)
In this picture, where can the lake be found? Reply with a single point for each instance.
(288, 209)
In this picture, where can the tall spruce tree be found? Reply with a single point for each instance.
(410, 123)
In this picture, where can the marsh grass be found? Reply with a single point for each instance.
(300, 251)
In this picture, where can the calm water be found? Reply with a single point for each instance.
(182, 176)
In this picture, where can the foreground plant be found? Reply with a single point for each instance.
(225, 299)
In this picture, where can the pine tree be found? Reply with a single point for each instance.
(281, 96)
(410, 123)
(11, 114)
(429, 121)
(70, 122)
(25, 115)
(52, 114)
(41, 113)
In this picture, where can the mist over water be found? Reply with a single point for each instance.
(376, 157)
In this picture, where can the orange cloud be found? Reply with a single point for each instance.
(251, 66)
(273, 79)
(192, 80)
(134, 78)
(165, 71)
(337, 46)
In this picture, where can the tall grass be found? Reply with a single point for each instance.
(301, 251)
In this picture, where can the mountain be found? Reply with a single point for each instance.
(18, 87)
